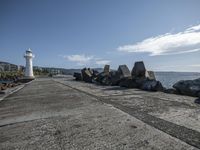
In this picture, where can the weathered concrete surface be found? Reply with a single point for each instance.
(9, 91)
(47, 114)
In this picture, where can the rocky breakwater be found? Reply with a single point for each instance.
(139, 77)
(188, 87)
(9, 80)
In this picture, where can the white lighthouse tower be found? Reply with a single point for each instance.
(29, 64)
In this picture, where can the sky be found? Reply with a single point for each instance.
(92, 33)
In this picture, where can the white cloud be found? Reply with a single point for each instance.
(102, 62)
(194, 28)
(79, 59)
(83, 59)
(167, 44)
(194, 65)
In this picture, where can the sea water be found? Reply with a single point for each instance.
(168, 79)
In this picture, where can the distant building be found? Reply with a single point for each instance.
(48, 70)
(53, 71)
(37, 68)
(21, 68)
(5, 66)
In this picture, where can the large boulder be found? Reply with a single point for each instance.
(95, 73)
(152, 85)
(125, 77)
(100, 76)
(150, 75)
(91, 71)
(115, 78)
(106, 81)
(123, 71)
(87, 75)
(103, 79)
(139, 69)
(78, 76)
(106, 69)
(188, 87)
(197, 101)
(128, 83)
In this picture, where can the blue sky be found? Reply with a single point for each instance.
(79, 33)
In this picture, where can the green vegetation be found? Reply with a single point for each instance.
(7, 75)
(38, 72)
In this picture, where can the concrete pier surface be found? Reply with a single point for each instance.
(59, 113)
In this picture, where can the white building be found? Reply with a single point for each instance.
(29, 64)
(5, 66)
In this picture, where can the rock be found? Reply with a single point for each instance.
(95, 73)
(106, 81)
(139, 69)
(128, 83)
(4, 86)
(103, 79)
(197, 101)
(140, 82)
(124, 72)
(10, 85)
(100, 76)
(188, 87)
(87, 75)
(91, 71)
(150, 75)
(78, 76)
(124, 75)
(152, 85)
(106, 69)
(171, 91)
(1, 85)
(115, 78)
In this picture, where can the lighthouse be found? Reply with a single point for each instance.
(29, 64)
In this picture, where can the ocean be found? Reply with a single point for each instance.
(169, 78)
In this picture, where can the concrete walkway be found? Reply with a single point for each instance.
(65, 114)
